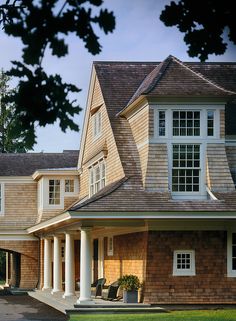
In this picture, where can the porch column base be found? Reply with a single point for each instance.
(55, 291)
(68, 295)
(46, 289)
(85, 301)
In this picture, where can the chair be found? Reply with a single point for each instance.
(99, 286)
(112, 292)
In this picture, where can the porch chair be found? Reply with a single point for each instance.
(112, 292)
(99, 286)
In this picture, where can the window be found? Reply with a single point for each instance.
(97, 177)
(97, 124)
(54, 191)
(185, 168)
(186, 123)
(110, 246)
(162, 123)
(184, 263)
(231, 254)
(210, 123)
(69, 186)
(1, 198)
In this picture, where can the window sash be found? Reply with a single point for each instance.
(184, 262)
(69, 186)
(186, 123)
(97, 125)
(54, 194)
(210, 123)
(97, 178)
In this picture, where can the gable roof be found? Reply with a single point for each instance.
(25, 164)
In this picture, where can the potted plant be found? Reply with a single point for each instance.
(130, 285)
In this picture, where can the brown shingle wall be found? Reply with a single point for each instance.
(20, 205)
(157, 168)
(29, 260)
(129, 256)
(231, 156)
(209, 285)
(114, 170)
(219, 177)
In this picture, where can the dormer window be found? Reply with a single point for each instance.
(69, 186)
(54, 186)
(97, 124)
(97, 177)
(186, 123)
(210, 123)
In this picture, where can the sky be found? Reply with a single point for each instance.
(139, 36)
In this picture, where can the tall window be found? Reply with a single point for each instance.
(1, 198)
(97, 179)
(97, 124)
(231, 254)
(186, 123)
(210, 123)
(162, 122)
(185, 168)
(54, 191)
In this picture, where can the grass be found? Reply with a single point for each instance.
(2, 282)
(201, 315)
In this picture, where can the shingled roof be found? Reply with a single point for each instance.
(25, 164)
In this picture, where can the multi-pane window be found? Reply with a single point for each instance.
(54, 191)
(110, 248)
(69, 186)
(97, 124)
(97, 179)
(186, 168)
(186, 123)
(233, 251)
(210, 123)
(184, 263)
(162, 123)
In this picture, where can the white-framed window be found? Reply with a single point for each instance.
(210, 123)
(162, 123)
(186, 123)
(184, 263)
(54, 192)
(110, 246)
(97, 177)
(69, 185)
(231, 253)
(185, 168)
(97, 124)
(1, 198)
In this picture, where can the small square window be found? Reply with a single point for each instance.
(184, 263)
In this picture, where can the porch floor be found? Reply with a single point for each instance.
(69, 306)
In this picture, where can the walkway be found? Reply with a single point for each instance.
(25, 308)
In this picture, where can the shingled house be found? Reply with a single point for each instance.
(157, 172)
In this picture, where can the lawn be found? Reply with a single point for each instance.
(203, 315)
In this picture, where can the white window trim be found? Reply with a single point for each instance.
(95, 118)
(76, 187)
(46, 193)
(184, 272)
(110, 251)
(230, 271)
(92, 170)
(2, 209)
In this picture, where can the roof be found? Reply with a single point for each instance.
(137, 200)
(25, 164)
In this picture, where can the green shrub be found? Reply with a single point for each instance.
(129, 282)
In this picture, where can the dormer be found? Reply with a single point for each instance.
(177, 117)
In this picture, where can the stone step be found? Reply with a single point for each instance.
(112, 310)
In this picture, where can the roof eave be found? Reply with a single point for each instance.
(130, 107)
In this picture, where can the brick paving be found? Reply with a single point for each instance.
(25, 308)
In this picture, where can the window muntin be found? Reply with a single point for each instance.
(184, 262)
(69, 186)
(97, 124)
(97, 177)
(54, 191)
(162, 122)
(210, 123)
(186, 168)
(186, 123)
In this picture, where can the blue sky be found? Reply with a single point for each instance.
(139, 36)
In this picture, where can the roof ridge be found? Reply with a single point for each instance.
(201, 76)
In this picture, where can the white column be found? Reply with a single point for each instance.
(69, 266)
(85, 266)
(7, 269)
(47, 280)
(57, 267)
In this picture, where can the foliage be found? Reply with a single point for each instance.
(203, 22)
(129, 282)
(12, 137)
(201, 315)
(44, 25)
